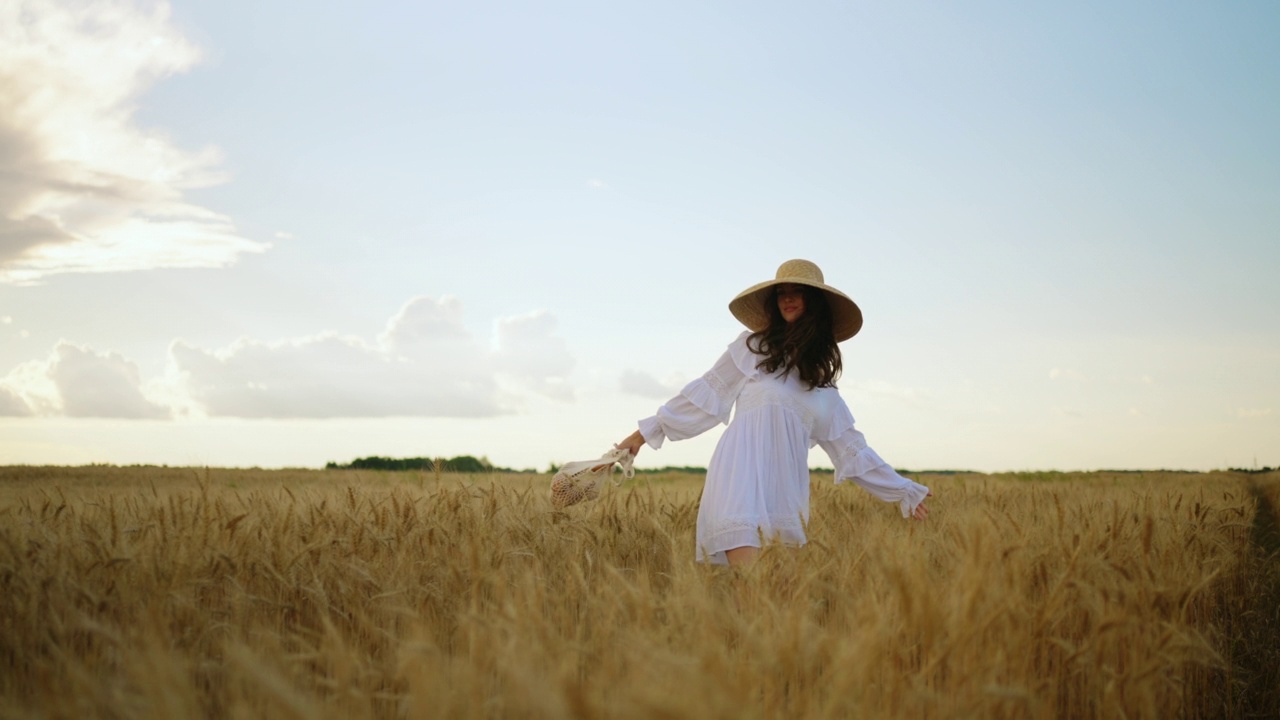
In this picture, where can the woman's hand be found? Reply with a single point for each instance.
(631, 443)
(921, 512)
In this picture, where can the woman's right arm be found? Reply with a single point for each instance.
(701, 405)
(632, 443)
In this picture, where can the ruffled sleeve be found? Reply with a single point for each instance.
(853, 460)
(704, 402)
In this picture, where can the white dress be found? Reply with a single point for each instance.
(758, 478)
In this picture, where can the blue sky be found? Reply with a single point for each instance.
(286, 233)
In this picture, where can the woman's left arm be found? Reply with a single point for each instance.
(855, 461)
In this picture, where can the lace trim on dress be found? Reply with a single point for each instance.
(914, 496)
(767, 395)
(852, 461)
(703, 395)
(787, 526)
(712, 395)
(718, 384)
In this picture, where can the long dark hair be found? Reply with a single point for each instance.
(807, 346)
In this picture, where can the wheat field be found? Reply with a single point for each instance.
(170, 592)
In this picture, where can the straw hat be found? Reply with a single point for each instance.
(749, 305)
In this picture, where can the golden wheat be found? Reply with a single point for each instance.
(161, 592)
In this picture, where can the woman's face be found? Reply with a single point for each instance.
(790, 302)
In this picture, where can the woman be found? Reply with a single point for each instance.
(781, 376)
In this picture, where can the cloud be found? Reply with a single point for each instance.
(425, 364)
(1253, 412)
(887, 389)
(1066, 374)
(597, 184)
(12, 404)
(529, 351)
(637, 382)
(31, 383)
(93, 384)
(423, 325)
(83, 188)
(78, 381)
(329, 376)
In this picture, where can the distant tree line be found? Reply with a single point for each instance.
(459, 464)
(471, 464)
(1254, 471)
(672, 469)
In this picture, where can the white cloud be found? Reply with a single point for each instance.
(30, 381)
(284, 235)
(887, 389)
(597, 184)
(423, 324)
(78, 382)
(12, 404)
(1066, 374)
(6, 320)
(1253, 412)
(86, 190)
(330, 376)
(529, 351)
(638, 382)
(425, 364)
(93, 384)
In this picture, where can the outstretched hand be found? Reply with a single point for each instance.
(631, 443)
(921, 512)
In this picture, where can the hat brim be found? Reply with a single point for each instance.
(749, 307)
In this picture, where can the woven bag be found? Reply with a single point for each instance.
(578, 481)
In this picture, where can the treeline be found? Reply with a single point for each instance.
(469, 464)
(1254, 471)
(460, 464)
(672, 469)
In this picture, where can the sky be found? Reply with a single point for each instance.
(288, 233)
